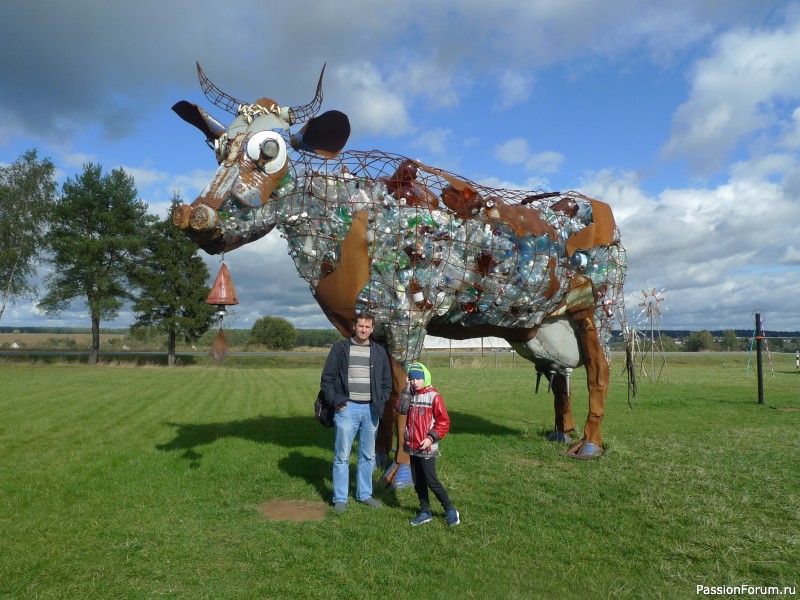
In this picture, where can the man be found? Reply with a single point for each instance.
(357, 381)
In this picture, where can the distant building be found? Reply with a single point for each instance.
(487, 343)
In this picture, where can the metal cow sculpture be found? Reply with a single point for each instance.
(422, 249)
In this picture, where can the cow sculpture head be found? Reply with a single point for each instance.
(253, 156)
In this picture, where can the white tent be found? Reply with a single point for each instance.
(487, 343)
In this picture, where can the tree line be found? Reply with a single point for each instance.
(729, 340)
(104, 248)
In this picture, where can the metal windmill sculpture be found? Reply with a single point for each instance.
(652, 305)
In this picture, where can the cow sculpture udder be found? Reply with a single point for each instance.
(424, 250)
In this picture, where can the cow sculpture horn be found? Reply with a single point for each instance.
(230, 104)
(217, 96)
(303, 113)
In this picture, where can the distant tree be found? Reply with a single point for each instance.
(27, 193)
(274, 332)
(317, 337)
(171, 279)
(98, 229)
(729, 341)
(668, 344)
(776, 344)
(235, 337)
(700, 340)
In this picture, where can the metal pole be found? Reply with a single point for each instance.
(759, 336)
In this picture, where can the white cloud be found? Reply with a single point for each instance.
(514, 88)
(791, 256)
(765, 167)
(517, 151)
(435, 141)
(791, 136)
(425, 79)
(544, 162)
(373, 108)
(514, 151)
(717, 250)
(738, 91)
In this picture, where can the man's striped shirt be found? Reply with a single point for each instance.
(358, 373)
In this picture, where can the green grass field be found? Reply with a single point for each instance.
(126, 481)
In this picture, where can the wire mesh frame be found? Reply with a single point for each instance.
(414, 239)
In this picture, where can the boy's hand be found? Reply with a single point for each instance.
(426, 443)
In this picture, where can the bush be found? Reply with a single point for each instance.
(274, 332)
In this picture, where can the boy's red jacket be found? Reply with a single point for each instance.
(426, 416)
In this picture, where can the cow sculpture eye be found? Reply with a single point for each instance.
(268, 149)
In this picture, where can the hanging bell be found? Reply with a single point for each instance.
(222, 292)
(222, 295)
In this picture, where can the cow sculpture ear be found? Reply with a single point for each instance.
(194, 115)
(325, 135)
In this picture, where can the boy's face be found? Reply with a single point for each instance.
(416, 383)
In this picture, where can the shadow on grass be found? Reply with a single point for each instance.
(468, 423)
(313, 470)
(291, 432)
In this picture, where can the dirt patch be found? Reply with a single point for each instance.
(292, 510)
(789, 408)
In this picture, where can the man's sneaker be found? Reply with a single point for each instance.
(453, 518)
(372, 502)
(421, 518)
(340, 507)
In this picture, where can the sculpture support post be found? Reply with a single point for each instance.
(759, 336)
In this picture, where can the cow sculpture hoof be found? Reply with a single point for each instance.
(397, 477)
(584, 450)
(381, 460)
(559, 437)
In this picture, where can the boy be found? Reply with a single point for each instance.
(427, 423)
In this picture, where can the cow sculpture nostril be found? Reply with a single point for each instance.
(426, 251)
(203, 219)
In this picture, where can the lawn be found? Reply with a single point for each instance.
(126, 481)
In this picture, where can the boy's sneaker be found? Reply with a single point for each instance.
(421, 518)
(453, 518)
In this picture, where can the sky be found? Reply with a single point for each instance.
(684, 116)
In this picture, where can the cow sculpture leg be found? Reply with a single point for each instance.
(562, 404)
(597, 379)
(397, 474)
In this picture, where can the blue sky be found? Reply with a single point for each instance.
(684, 116)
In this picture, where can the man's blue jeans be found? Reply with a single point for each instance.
(354, 419)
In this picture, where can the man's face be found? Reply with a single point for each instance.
(364, 328)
